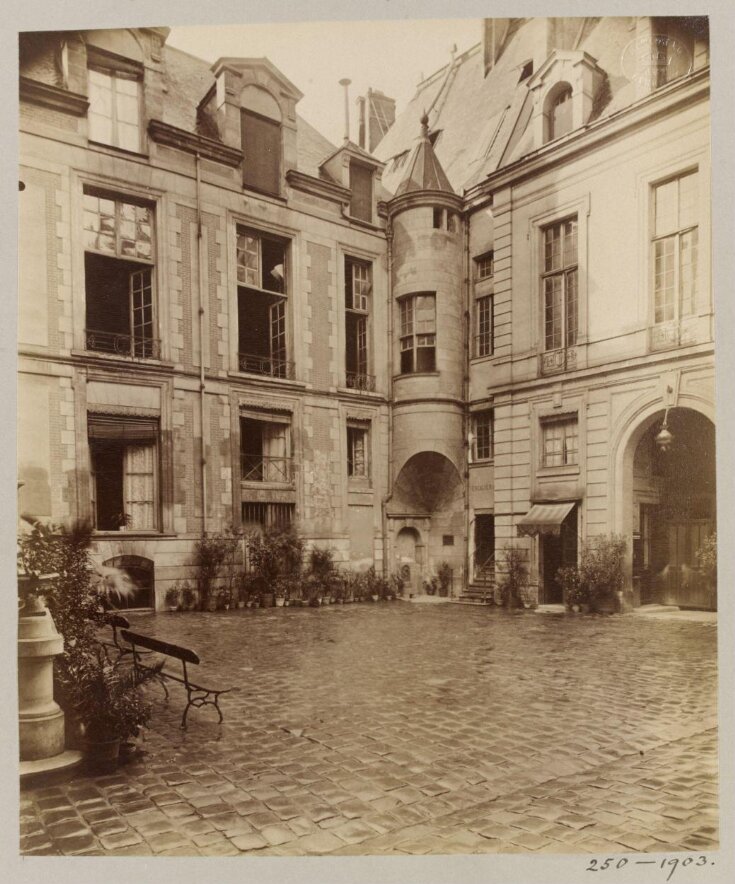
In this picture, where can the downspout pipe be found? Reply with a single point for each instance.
(389, 472)
(467, 335)
(202, 387)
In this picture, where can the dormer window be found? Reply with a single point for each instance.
(526, 71)
(261, 140)
(361, 186)
(114, 101)
(560, 113)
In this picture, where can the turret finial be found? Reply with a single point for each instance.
(425, 124)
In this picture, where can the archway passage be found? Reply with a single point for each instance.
(674, 511)
(409, 559)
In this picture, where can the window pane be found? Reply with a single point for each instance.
(552, 312)
(247, 260)
(664, 301)
(128, 137)
(688, 271)
(425, 313)
(665, 199)
(570, 281)
(688, 201)
(127, 86)
(100, 128)
(127, 108)
(484, 326)
(552, 248)
(561, 115)
(406, 309)
(425, 358)
(570, 242)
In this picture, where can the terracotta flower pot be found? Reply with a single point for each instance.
(280, 601)
(101, 756)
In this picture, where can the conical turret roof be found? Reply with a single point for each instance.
(424, 171)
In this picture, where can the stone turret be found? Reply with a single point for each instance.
(428, 358)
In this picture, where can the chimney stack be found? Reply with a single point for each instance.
(346, 83)
(381, 114)
(361, 122)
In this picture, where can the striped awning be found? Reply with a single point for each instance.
(544, 518)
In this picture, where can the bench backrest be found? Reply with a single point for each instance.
(153, 644)
(117, 621)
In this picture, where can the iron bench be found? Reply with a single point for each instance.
(197, 695)
(115, 622)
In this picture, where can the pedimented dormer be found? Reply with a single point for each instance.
(252, 107)
(564, 90)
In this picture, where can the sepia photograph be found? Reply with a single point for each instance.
(366, 466)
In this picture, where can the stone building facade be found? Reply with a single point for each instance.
(466, 339)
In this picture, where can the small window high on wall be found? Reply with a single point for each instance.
(560, 114)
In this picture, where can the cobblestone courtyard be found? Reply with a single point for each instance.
(412, 729)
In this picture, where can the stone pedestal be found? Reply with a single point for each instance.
(41, 721)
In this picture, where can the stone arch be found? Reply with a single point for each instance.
(634, 423)
(428, 481)
(562, 90)
(141, 573)
(124, 42)
(260, 101)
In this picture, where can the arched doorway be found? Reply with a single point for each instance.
(408, 554)
(672, 510)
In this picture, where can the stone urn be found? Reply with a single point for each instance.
(41, 721)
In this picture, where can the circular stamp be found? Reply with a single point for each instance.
(655, 60)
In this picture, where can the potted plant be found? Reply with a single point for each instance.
(108, 703)
(513, 575)
(280, 591)
(431, 585)
(444, 576)
(188, 597)
(321, 569)
(173, 598)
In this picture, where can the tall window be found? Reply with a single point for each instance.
(124, 462)
(444, 219)
(483, 433)
(357, 450)
(675, 237)
(560, 442)
(418, 332)
(559, 281)
(118, 266)
(484, 326)
(261, 147)
(560, 114)
(114, 114)
(265, 449)
(361, 187)
(358, 292)
(261, 297)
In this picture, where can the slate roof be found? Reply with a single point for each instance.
(481, 122)
(188, 80)
(423, 170)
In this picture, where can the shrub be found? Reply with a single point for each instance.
(321, 563)
(707, 557)
(600, 573)
(213, 553)
(273, 553)
(173, 596)
(444, 575)
(513, 576)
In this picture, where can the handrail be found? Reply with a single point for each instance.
(121, 344)
(252, 363)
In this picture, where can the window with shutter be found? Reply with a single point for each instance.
(261, 147)
(361, 185)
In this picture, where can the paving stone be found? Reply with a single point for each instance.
(124, 838)
(251, 841)
(320, 842)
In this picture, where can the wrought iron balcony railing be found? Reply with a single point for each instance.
(358, 381)
(276, 368)
(121, 345)
(264, 468)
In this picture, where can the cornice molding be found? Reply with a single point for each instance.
(317, 186)
(425, 198)
(54, 97)
(658, 103)
(171, 136)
